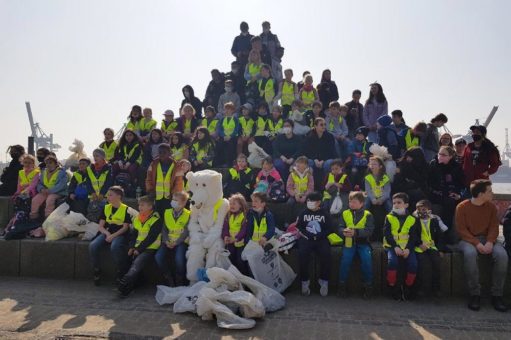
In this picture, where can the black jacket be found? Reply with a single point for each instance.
(315, 224)
(444, 179)
(9, 178)
(319, 148)
(327, 92)
(414, 233)
(194, 101)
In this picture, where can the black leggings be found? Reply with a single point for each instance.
(321, 248)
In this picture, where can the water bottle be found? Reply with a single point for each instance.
(138, 192)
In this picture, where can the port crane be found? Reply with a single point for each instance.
(41, 139)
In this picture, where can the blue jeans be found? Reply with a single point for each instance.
(387, 204)
(163, 260)
(325, 168)
(282, 168)
(366, 262)
(118, 249)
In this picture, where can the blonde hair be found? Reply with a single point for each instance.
(27, 156)
(187, 106)
(254, 55)
(181, 195)
(241, 201)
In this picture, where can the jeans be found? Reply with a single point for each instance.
(366, 262)
(430, 258)
(387, 204)
(322, 249)
(282, 168)
(137, 265)
(499, 271)
(163, 260)
(393, 267)
(118, 248)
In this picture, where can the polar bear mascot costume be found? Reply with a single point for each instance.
(208, 210)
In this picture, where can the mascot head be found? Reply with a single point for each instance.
(205, 188)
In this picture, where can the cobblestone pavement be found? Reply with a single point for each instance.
(51, 309)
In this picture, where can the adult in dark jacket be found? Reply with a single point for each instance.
(446, 182)
(268, 39)
(412, 176)
(387, 136)
(241, 45)
(287, 147)
(319, 148)
(192, 100)
(238, 80)
(432, 137)
(355, 117)
(215, 89)
(327, 89)
(9, 176)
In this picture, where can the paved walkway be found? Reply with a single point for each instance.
(50, 309)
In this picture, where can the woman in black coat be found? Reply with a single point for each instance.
(412, 176)
(9, 176)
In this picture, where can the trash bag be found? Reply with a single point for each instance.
(222, 259)
(186, 302)
(218, 277)
(256, 155)
(271, 299)
(268, 267)
(168, 295)
(54, 225)
(336, 206)
(91, 230)
(249, 305)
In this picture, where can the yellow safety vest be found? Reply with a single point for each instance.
(307, 98)
(118, 217)
(128, 155)
(201, 153)
(247, 126)
(211, 125)
(401, 233)
(426, 236)
(331, 124)
(187, 126)
(411, 141)
(288, 93)
(274, 128)
(300, 182)
(97, 182)
(259, 229)
(217, 206)
(167, 127)
(79, 178)
(268, 92)
(144, 228)
(235, 223)
(254, 70)
(25, 179)
(163, 184)
(50, 182)
(377, 187)
(331, 179)
(147, 126)
(109, 150)
(176, 227)
(178, 153)
(235, 176)
(228, 124)
(260, 126)
(347, 216)
(133, 126)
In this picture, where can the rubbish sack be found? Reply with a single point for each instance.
(222, 259)
(168, 295)
(271, 299)
(54, 225)
(249, 305)
(75, 222)
(91, 230)
(186, 302)
(268, 267)
(336, 206)
(219, 276)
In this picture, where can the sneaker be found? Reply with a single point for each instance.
(341, 290)
(368, 291)
(97, 277)
(475, 303)
(323, 290)
(499, 304)
(305, 288)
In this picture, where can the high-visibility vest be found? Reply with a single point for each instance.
(331, 179)
(79, 178)
(300, 182)
(259, 229)
(187, 126)
(254, 69)
(201, 153)
(426, 236)
(260, 126)
(235, 222)
(97, 182)
(147, 126)
(331, 125)
(377, 187)
(411, 141)
(275, 127)
(162, 189)
(228, 124)
(307, 98)
(268, 92)
(210, 125)
(178, 153)
(118, 217)
(176, 227)
(109, 150)
(127, 155)
(401, 233)
(167, 127)
(247, 125)
(144, 228)
(50, 182)
(288, 93)
(134, 126)
(235, 176)
(347, 215)
(216, 207)
(25, 179)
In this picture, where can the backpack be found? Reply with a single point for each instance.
(277, 192)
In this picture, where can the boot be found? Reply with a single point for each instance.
(125, 287)
(97, 277)
(499, 304)
(396, 292)
(408, 293)
(342, 292)
(170, 281)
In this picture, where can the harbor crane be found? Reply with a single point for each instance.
(41, 139)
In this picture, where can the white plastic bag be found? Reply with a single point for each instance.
(54, 225)
(271, 299)
(222, 259)
(268, 267)
(249, 305)
(219, 276)
(186, 302)
(336, 206)
(256, 155)
(168, 295)
(91, 230)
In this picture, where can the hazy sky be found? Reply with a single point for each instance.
(83, 64)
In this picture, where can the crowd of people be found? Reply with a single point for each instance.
(315, 152)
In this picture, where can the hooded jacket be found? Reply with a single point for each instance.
(476, 161)
(194, 101)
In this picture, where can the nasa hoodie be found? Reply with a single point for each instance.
(315, 225)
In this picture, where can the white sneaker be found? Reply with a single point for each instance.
(305, 288)
(323, 290)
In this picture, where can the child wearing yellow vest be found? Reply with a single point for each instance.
(401, 234)
(235, 229)
(108, 145)
(239, 179)
(288, 92)
(308, 93)
(356, 226)
(266, 85)
(113, 232)
(300, 182)
(428, 248)
(275, 123)
(377, 185)
(147, 123)
(202, 151)
(99, 178)
(134, 119)
(210, 122)
(78, 192)
(261, 128)
(337, 183)
(168, 124)
(228, 131)
(28, 177)
(247, 128)
(178, 147)
(145, 240)
(174, 241)
(261, 223)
